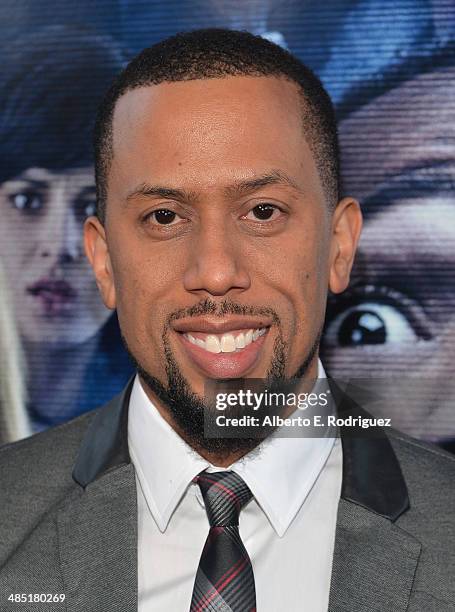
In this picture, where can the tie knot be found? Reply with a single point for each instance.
(224, 495)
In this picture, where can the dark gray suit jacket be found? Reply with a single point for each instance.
(68, 521)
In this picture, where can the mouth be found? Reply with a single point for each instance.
(228, 349)
(54, 296)
(225, 343)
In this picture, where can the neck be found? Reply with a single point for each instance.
(226, 457)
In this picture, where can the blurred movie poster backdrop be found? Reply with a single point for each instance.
(390, 69)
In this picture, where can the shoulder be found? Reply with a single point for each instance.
(423, 462)
(45, 455)
(35, 474)
(429, 473)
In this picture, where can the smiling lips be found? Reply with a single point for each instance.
(225, 343)
(55, 296)
(226, 350)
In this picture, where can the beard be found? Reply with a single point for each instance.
(189, 412)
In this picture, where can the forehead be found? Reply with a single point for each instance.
(208, 110)
(238, 95)
(210, 130)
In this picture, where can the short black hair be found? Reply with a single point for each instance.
(216, 53)
(51, 84)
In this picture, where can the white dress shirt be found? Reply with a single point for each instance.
(288, 528)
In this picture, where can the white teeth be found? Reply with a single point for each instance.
(227, 343)
(212, 344)
(240, 341)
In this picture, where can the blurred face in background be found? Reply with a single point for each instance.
(398, 318)
(54, 295)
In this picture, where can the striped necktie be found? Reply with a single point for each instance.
(224, 580)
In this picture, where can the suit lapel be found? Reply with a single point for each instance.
(97, 527)
(98, 544)
(374, 562)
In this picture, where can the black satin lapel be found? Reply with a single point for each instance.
(105, 444)
(372, 476)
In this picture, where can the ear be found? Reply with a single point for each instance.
(97, 253)
(346, 227)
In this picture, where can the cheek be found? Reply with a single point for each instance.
(145, 285)
(145, 280)
(15, 238)
(23, 240)
(297, 271)
(17, 257)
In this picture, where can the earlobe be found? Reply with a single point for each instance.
(97, 252)
(346, 227)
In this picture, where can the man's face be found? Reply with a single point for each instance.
(398, 319)
(54, 296)
(218, 243)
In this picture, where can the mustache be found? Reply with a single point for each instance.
(221, 309)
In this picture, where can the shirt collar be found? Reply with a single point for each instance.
(165, 464)
(280, 476)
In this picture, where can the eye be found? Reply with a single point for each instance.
(163, 216)
(263, 212)
(370, 323)
(26, 201)
(373, 314)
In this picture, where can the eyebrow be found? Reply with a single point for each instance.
(32, 182)
(409, 184)
(275, 177)
(157, 191)
(240, 188)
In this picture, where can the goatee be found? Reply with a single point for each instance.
(189, 412)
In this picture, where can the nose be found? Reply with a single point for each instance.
(215, 265)
(64, 242)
